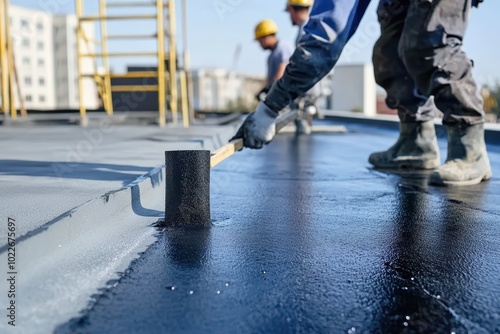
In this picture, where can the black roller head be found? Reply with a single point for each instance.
(187, 182)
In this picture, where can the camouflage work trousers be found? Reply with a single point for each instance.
(419, 55)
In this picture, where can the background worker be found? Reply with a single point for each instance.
(419, 55)
(430, 37)
(265, 34)
(299, 15)
(331, 24)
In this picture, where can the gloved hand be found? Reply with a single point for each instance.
(310, 108)
(258, 128)
(261, 96)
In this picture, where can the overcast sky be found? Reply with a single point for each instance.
(217, 27)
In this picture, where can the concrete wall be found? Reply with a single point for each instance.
(354, 89)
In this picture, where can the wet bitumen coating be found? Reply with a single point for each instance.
(307, 238)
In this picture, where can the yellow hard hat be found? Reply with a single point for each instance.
(265, 28)
(299, 3)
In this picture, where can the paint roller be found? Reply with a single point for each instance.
(187, 180)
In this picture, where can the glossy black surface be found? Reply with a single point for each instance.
(306, 238)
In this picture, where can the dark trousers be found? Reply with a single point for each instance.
(419, 55)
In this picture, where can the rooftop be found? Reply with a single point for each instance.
(306, 237)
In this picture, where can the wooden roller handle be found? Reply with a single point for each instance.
(236, 145)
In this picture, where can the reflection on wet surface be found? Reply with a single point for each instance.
(307, 239)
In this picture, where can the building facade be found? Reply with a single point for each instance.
(354, 89)
(45, 54)
(217, 90)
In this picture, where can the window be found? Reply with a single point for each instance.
(27, 81)
(26, 42)
(41, 62)
(24, 23)
(41, 98)
(27, 98)
(41, 81)
(26, 61)
(39, 26)
(40, 45)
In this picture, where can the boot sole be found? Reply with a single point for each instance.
(435, 180)
(407, 174)
(408, 165)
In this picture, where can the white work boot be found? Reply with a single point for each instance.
(467, 163)
(302, 127)
(416, 148)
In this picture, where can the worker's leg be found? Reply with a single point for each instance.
(431, 48)
(307, 105)
(302, 127)
(417, 143)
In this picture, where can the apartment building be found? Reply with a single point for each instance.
(45, 53)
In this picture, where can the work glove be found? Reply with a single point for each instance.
(261, 96)
(310, 108)
(259, 127)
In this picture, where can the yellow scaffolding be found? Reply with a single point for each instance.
(4, 65)
(8, 72)
(103, 79)
(186, 91)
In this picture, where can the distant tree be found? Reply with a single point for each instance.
(492, 102)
